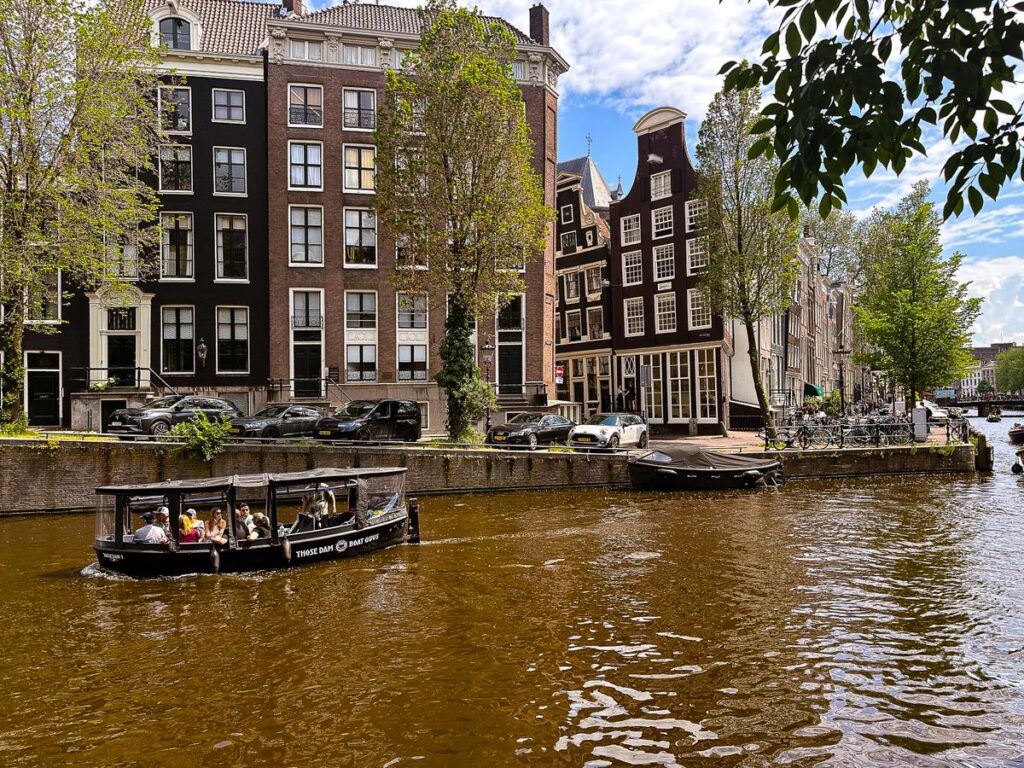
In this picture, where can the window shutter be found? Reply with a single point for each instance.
(677, 180)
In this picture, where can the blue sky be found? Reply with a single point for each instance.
(628, 58)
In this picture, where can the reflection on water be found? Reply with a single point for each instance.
(875, 622)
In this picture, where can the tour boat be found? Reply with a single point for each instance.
(994, 417)
(321, 514)
(691, 468)
(1016, 433)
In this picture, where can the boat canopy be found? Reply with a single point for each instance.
(326, 474)
(695, 457)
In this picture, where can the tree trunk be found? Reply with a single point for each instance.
(458, 368)
(12, 373)
(755, 369)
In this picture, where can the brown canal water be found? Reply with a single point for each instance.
(853, 623)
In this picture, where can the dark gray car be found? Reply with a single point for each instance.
(158, 416)
(277, 420)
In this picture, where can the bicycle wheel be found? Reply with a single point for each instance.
(899, 437)
(858, 436)
(819, 438)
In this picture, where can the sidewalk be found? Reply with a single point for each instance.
(748, 441)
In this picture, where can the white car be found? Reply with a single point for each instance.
(935, 411)
(610, 430)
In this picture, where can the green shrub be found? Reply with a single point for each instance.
(17, 428)
(201, 436)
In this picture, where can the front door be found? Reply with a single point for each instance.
(42, 388)
(121, 360)
(510, 369)
(307, 370)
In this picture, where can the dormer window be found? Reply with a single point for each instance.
(176, 34)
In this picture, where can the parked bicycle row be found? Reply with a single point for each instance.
(854, 434)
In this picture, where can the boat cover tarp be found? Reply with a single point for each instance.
(323, 474)
(695, 457)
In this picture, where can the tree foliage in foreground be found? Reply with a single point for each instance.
(866, 94)
(913, 314)
(753, 265)
(455, 186)
(1009, 371)
(77, 137)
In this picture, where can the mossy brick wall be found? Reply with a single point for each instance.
(36, 476)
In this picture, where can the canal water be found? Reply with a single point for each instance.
(851, 623)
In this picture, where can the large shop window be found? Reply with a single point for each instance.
(707, 385)
(232, 340)
(178, 351)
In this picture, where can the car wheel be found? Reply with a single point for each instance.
(642, 442)
(532, 440)
(159, 428)
(271, 432)
(362, 434)
(613, 442)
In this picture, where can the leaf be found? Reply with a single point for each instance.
(975, 199)
(988, 185)
(793, 40)
(762, 126)
(771, 44)
(808, 25)
(825, 206)
(885, 48)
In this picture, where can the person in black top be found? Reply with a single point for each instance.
(630, 398)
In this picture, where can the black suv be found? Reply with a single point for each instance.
(158, 416)
(372, 420)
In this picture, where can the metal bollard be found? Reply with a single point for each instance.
(413, 535)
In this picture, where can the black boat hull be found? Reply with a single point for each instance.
(259, 555)
(648, 477)
(1016, 436)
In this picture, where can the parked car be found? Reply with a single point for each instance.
(372, 420)
(158, 416)
(610, 430)
(530, 429)
(935, 411)
(277, 420)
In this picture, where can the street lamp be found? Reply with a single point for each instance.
(202, 351)
(841, 353)
(488, 349)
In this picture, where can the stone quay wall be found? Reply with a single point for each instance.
(37, 476)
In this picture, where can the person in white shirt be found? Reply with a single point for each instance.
(151, 532)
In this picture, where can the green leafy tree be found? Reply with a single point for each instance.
(455, 186)
(836, 237)
(913, 314)
(753, 265)
(984, 387)
(858, 81)
(1009, 371)
(78, 135)
(204, 437)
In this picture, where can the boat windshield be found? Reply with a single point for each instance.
(603, 420)
(658, 456)
(356, 409)
(270, 412)
(526, 418)
(163, 402)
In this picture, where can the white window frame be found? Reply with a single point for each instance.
(216, 339)
(630, 235)
(590, 333)
(562, 241)
(661, 311)
(376, 310)
(579, 324)
(60, 304)
(218, 245)
(163, 370)
(693, 211)
(596, 290)
(571, 278)
(691, 247)
(660, 251)
(661, 185)
(344, 239)
(344, 169)
(291, 332)
(633, 302)
(293, 188)
(376, 361)
(323, 115)
(245, 173)
(566, 219)
(306, 264)
(361, 48)
(213, 105)
(426, 360)
(160, 109)
(424, 265)
(689, 310)
(426, 310)
(345, 91)
(191, 170)
(192, 229)
(305, 42)
(630, 256)
(654, 222)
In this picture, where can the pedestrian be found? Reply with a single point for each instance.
(630, 398)
(620, 400)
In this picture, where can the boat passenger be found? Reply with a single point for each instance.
(319, 504)
(163, 519)
(151, 532)
(197, 525)
(262, 523)
(245, 528)
(186, 533)
(218, 530)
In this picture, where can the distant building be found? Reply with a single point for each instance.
(594, 190)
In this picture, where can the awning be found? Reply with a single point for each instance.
(812, 391)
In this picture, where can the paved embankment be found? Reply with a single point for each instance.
(37, 476)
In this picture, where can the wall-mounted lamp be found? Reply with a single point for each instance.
(201, 352)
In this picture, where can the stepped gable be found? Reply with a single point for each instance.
(232, 27)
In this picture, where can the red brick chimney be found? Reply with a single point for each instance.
(539, 25)
(293, 6)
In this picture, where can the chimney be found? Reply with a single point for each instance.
(807, 232)
(539, 25)
(293, 7)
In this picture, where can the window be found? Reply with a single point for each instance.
(306, 105)
(412, 310)
(634, 317)
(594, 280)
(175, 109)
(359, 55)
(360, 238)
(228, 171)
(176, 246)
(665, 312)
(664, 262)
(567, 214)
(305, 164)
(178, 354)
(306, 310)
(573, 330)
(176, 34)
(405, 258)
(44, 305)
(679, 385)
(306, 235)
(232, 245)
(232, 340)
(175, 169)
(696, 211)
(510, 318)
(519, 70)
(572, 286)
(398, 58)
(632, 268)
(661, 185)
(662, 222)
(707, 385)
(360, 165)
(569, 242)
(121, 319)
(412, 362)
(123, 259)
(360, 310)
(361, 362)
(697, 256)
(311, 50)
(631, 229)
(228, 106)
(360, 110)
(700, 309)
(595, 322)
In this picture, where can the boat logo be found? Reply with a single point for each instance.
(340, 546)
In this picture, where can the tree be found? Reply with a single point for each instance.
(1009, 371)
(836, 238)
(913, 314)
(753, 265)
(984, 387)
(866, 95)
(78, 133)
(455, 185)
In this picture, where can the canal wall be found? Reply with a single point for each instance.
(43, 476)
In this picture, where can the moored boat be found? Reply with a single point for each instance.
(303, 517)
(1016, 434)
(691, 468)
